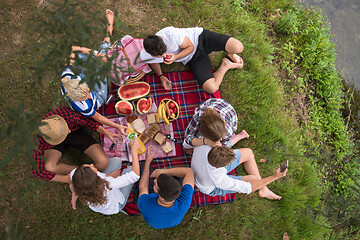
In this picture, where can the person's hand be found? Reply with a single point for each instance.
(134, 145)
(112, 136)
(166, 83)
(115, 173)
(170, 58)
(211, 143)
(122, 129)
(150, 153)
(156, 173)
(279, 174)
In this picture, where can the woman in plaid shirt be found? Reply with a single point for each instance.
(214, 123)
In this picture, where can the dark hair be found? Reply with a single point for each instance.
(220, 156)
(89, 186)
(154, 45)
(169, 187)
(212, 126)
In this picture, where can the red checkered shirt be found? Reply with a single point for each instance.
(226, 112)
(75, 121)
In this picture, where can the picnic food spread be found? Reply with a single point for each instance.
(168, 110)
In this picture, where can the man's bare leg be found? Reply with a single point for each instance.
(97, 154)
(110, 27)
(248, 159)
(212, 85)
(232, 47)
(52, 164)
(235, 138)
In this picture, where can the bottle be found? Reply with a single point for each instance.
(132, 135)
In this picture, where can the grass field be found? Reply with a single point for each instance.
(261, 94)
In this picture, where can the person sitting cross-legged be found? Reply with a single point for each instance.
(168, 205)
(212, 165)
(63, 128)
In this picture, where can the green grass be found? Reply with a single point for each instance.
(260, 93)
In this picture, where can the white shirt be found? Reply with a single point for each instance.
(173, 38)
(208, 177)
(114, 196)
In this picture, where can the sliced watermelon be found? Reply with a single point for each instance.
(124, 107)
(144, 105)
(134, 91)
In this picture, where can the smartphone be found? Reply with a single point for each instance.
(112, 146)
(284, 166)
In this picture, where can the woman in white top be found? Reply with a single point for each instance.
(105, 193)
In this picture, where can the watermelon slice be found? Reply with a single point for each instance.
(124, 107)
(144, 105)
(134, 91)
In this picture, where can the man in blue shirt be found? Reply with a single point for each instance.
(168, 205)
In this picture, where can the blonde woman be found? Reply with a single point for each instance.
(214, 123)
(81, 98)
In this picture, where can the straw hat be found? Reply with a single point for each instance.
(54, 129)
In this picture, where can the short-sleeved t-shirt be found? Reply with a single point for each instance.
(158, 216)
(173, 38)
(87, 107)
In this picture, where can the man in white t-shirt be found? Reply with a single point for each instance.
(191, 46)
(212, 165)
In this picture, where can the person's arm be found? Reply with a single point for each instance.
(187, 47)
(258, 184)
(61, 178)
(74, 49)
(107, 133)
(181, 172)
(105, 121)
(135, 146)
(144, 180)
(204, 141)
(74, 197)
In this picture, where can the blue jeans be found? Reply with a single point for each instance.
(229, 168)
(100, 90)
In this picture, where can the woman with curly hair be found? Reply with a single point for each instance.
(105, 193)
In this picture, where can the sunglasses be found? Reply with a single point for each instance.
(168, 136)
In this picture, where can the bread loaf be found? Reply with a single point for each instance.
(149, 133)
(153, 118)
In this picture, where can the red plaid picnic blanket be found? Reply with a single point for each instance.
(188, 94)
(123, 71)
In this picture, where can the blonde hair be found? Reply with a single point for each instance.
(75, 90)
(212, 126)
(220, 156)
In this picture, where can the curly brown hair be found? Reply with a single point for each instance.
(89, 186)
(212, 126)
(220, 156)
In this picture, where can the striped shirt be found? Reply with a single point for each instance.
(75, 121)
(226, 112)
(87, 107)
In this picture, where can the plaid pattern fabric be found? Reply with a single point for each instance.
(226, 112)
(188, 94)
(132, 46)
(75, 121)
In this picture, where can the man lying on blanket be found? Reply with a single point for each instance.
(212, 165)
(168, 205)
(191, 46)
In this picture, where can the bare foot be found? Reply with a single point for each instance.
(286, 236)
(226, 63)
(267, 193)
(235, 138)
(166, 83)
(110, 18)
(235, 58)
